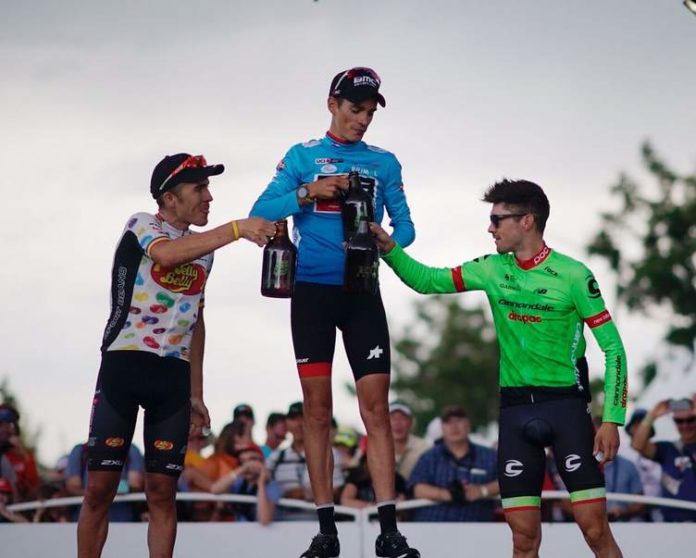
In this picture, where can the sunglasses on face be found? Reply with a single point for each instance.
(690, 420)
(193, 162)
(496, 218)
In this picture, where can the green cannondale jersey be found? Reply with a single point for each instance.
(539, 308)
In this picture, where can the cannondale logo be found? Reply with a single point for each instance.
(572, 462)
(513, 468)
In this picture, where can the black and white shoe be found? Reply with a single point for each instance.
(394, 545)
(323, 546)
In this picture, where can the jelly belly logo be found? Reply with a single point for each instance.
(163, 445)
(187, 278)
(115, 442)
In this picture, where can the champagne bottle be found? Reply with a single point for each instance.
(357, 205)
(362, 261)
(279, 259)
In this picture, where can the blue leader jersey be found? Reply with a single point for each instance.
(318, 230)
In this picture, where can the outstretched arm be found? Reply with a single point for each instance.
(421, 278)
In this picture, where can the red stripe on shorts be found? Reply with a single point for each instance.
(314, 369)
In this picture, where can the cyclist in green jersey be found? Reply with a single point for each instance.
(540, 300)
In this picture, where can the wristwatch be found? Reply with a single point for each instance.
(303, 195)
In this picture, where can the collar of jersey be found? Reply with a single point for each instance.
(333, 141)
(535, 260)
(171, 229)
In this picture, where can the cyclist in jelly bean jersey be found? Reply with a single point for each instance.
(308, 184)
(153, 308)
(540, 300)
(152, 349)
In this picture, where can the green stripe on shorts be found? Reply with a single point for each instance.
(589, 494)
(522, 502)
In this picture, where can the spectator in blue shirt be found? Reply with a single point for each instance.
(460, 475)
(678, 458)
(132, 480)
(251, 478)
(621, 476)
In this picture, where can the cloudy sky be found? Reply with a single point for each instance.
(93, 94)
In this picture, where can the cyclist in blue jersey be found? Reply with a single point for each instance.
(308, 185)
(152, 350)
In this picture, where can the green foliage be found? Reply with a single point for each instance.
(661, 225)
(449, 355)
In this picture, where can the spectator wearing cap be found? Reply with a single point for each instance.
(288, 466)
(153, 345)
(251, 478)
(21, 459)
(677, 458)
(457, 474)
(345, 445)
(6, 499)
(649, 471)
(276, 432)
(407, 446)
(245, 414)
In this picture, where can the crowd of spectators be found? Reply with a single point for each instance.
(457, 474)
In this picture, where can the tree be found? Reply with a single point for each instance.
(449, 355)
(662, 225)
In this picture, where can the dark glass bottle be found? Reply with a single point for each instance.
(279, 258)
(357, 205)
(362, 261)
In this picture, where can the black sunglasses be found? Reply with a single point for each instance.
(689, 420)
(496, 219)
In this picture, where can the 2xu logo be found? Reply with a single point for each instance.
(513, 468)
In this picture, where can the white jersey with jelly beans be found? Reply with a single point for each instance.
(153, 308)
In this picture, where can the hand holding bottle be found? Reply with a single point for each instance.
(384, 242)
(256, 229)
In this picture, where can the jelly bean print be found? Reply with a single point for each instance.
(183, 323)
(139, 325)
(175, 339)
(150, 320)
(159, 330)
(129, 335)
(151, 342)
(185, 307)
(158, 308)
(132, 222)
(139, 280)
(165, 299)
(141, 296)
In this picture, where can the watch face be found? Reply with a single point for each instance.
(302, 192)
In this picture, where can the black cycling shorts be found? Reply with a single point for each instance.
(162, 386)
(317, 310)
(566, 426)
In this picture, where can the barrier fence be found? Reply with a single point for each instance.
(286, 539)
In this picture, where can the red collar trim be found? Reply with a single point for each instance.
(536, 260)
(335, 138)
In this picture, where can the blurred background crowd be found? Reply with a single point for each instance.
(458, 473)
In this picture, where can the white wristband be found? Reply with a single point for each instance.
(484, 491)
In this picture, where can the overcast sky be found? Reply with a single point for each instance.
(93, 94)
